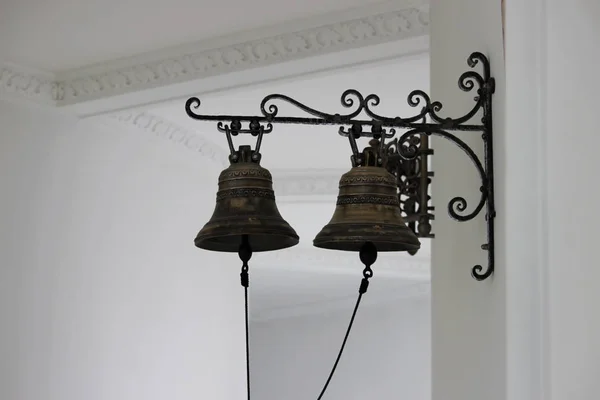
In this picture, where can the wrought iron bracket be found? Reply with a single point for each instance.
(407, 152)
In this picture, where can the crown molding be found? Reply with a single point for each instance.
(125, 83)
(211, 58)
(22, 84)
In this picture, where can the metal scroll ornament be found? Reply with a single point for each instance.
(406, 140)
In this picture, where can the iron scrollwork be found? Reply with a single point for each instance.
(413, 180)
(407, 153)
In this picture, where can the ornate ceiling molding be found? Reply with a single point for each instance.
(369, 30)
(295, 41)
(116, 79)
(18, 82)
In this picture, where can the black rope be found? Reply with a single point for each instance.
(244, 275)
(368, 255)
(339, 356)
(245, 252)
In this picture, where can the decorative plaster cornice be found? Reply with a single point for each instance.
(17, 82)
(131, 75)
(173, 132)
(293, 41)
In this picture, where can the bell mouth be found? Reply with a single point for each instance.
(263, 235)
(385, 237)
(258, 242)
(356, 246)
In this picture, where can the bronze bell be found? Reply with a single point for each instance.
(368, 209)
(246, 206)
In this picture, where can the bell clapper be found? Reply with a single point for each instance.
(368, 256)
(245, 253)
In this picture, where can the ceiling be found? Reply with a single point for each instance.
(60, 35)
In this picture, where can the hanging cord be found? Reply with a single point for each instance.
(245, 253)
(368, 255)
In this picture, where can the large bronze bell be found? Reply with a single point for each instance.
(246, 206)
(368, 209)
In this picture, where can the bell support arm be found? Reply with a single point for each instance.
(410, 149)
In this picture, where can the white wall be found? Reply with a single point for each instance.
(547, 166)
(102, 293)
(552, 63)
(573, 57)
(572, 143)
(468, 317)
(521, 186)
(387, 355)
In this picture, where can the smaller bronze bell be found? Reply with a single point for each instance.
(246, 206)
(368, 209)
